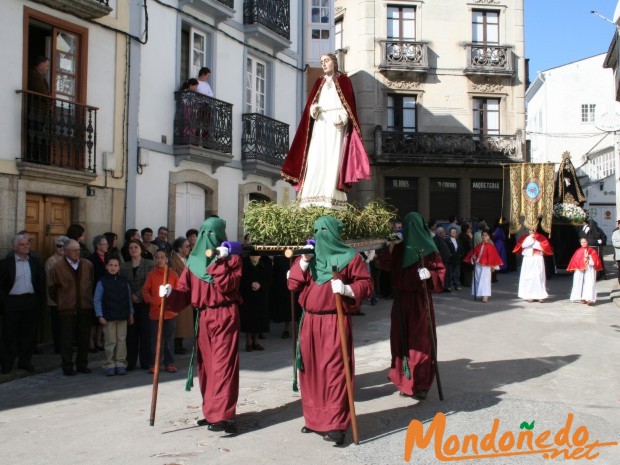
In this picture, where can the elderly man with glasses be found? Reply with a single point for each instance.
(71, 287)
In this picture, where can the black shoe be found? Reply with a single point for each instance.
(69, 372)
(202, 422)
(285, 334)
(306, 430)
(84, 370)
(227, 427)
(29, 368)
(336, 436)
(5, 370)
(260, 336)
(420, 395)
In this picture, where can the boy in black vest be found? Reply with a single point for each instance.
(114, 311)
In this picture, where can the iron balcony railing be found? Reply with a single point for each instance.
(440, 144)
(202, 121)
(264, 139)
(404, 54)
(273, 14)
(228, 3)
(489, 58)
(87, 9)
(58, 132)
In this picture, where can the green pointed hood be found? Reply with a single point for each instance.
(416, 238)
(211, 235)
(329, 249)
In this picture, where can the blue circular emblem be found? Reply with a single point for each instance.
(532, 190)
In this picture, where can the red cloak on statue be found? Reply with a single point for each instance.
(542, 240)
(354, 165)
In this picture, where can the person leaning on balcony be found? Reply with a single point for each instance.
(327, 154)
(203, 85)
(39, 111)
(37, 81)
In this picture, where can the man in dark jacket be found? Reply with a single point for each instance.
(596, 238)
(440, 242)
(22, 292)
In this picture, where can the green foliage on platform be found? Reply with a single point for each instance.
(286, 224)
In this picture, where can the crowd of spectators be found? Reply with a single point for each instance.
(88, 313)
(79, 289)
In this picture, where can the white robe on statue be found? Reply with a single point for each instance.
(532, 280)
(325, 152)
(584, 284)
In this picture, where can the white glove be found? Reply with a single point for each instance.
(338, 287)
(315, 110)
(222, 252)
(424, 274)
(306, 258)
(165, 291)
(371, 256)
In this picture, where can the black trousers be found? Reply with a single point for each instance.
(19, 329)
(138, 338)
(55, 322)
(75, 327)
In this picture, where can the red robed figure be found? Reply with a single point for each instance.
(542, 240)
(579, 261)
(354, 165)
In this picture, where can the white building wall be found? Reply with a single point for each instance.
(159, 62)
(12, 26)
(554, 126)
(554, 111)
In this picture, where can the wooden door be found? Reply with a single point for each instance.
(34, 223)
(46, 218)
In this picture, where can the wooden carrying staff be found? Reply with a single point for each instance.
(160, 329)
(431, 334)
(345, 358)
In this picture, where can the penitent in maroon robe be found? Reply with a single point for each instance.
(322, 380)
(218, 334)
(407, 284)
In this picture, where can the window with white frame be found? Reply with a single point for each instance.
(338, 34)
(485, 27)
(197, 51)
(401, 23)
(401, 113)
(588, 112)
(255, 88)
(486, 116)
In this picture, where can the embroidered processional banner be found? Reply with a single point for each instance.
(531, 196)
